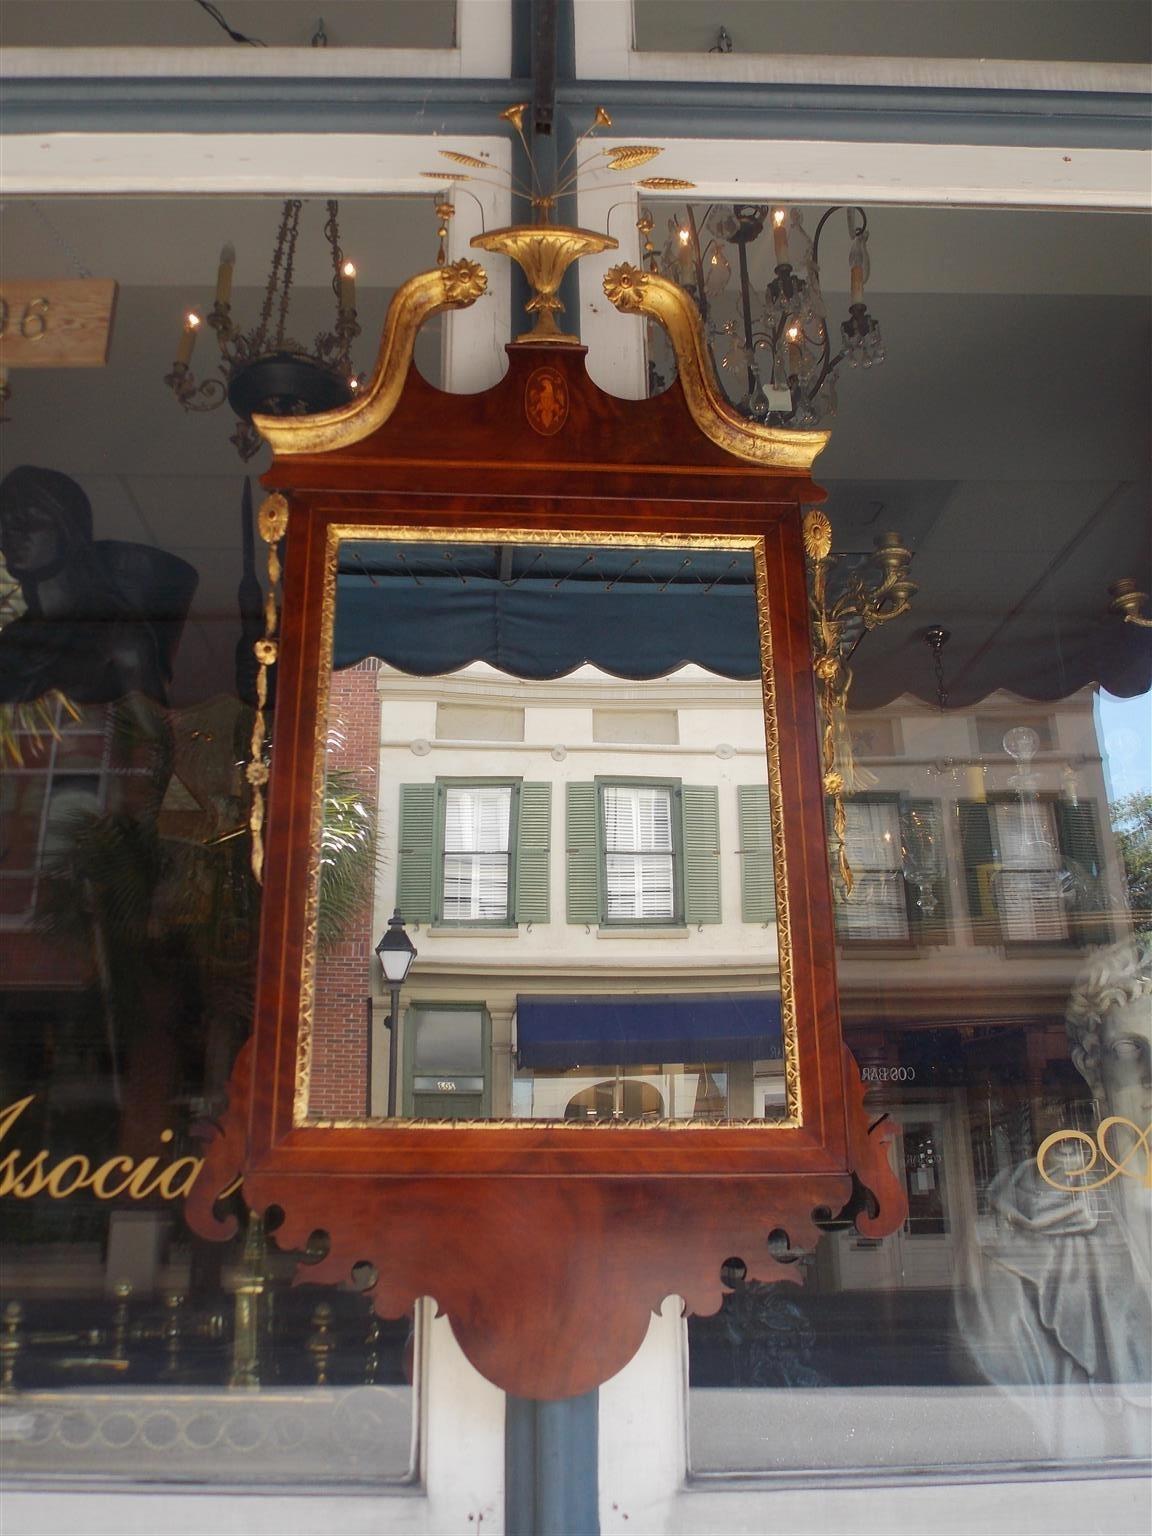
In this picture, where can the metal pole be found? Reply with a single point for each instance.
(746, 307)
(393, 1051)
(369, 1056)
(551, 1467)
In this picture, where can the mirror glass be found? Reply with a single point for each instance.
(545, 772)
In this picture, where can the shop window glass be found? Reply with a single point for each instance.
(1006, 1325)
(133, 1350)
(128, 24)
(1082, 30)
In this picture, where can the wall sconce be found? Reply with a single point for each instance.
(868, 600)
(1127, 601)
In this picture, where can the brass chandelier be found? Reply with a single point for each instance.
(770, 335)
(263, 370)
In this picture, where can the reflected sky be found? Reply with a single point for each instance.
(1124, 727)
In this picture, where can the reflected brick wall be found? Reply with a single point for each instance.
(339, 1084)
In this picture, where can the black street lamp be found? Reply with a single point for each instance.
(396, 952)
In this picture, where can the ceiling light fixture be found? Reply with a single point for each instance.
(263, 370)
(769, 335)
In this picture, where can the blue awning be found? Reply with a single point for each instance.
(564, 1032)
(539, 613)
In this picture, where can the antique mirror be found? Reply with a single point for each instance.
(547, 652)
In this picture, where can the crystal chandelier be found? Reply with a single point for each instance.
(263, 370)
(770, 336)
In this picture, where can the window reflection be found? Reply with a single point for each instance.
(128, 918)
(564, 749)
(288, 24)
(477, 821)
(1017, 1293)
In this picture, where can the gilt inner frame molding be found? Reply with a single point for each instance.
(753, 544)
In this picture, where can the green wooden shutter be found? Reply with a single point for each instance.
(582, 849)
(416, 863)
(1080, 846)
(922, 836)
(978, 843)
(700, 814)
(533, 844)
(757, 871)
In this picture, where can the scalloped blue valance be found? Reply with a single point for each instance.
(540, 613)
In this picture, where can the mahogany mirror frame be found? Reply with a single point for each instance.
(549, 1245)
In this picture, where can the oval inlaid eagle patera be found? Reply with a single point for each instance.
(546, 401)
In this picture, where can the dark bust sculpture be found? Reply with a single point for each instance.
(102, 618)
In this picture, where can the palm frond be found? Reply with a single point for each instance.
(33, 718)
(348, 856)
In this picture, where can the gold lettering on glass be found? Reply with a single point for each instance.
(115, 1178)
(1133, 1163)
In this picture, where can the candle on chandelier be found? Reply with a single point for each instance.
(188, 338)
(348, 287)
(224, 275)
(780, 234)
(793, 337)
(858, 265)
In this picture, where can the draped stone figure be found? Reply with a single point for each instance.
(1057, 1305)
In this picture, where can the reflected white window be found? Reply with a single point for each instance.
(477, 819)
(876, 908)
(639, 857)
(1029, 884)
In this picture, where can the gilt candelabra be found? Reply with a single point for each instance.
(871, 596)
